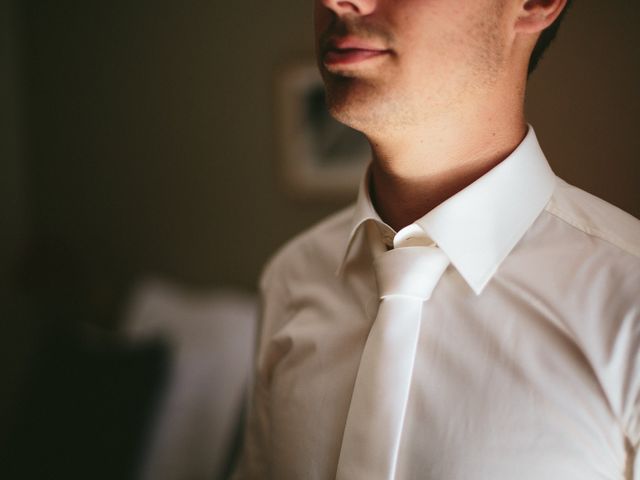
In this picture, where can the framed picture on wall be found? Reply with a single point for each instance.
(319, 158)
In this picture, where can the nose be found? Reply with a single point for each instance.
(346, 7)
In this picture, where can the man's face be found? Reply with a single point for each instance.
(397, 62)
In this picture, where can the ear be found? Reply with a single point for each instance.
(536, 15)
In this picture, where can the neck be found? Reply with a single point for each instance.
(416, 169)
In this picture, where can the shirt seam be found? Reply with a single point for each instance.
(593, 232)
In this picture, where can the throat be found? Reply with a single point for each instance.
(405, 189)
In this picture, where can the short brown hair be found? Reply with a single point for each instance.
(546, 37)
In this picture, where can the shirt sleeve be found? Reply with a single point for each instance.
(253, 464)
(632, 418)
(254, 461)
(634, 423)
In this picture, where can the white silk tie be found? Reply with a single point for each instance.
(406, 277)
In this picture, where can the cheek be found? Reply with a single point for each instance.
(452, 50)
(321, 19)
(426, 28)
(427, 52)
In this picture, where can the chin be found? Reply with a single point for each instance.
(353, 103)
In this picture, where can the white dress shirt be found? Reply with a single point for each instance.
(528, 360)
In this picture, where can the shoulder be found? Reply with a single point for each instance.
(595, 218)
(319, 248)
(597, 271)
(304, 264)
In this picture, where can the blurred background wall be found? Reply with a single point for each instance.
(584, 101)
(137, 137)
(15, 334)
(149, 128)
(151, 133)
(12, 165)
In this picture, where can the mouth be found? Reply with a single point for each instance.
(350, 56)
(349, 51)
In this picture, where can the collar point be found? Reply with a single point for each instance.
(478, 284)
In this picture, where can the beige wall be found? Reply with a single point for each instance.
(584, 101)
(151, 128)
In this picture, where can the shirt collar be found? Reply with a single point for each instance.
(480, 225)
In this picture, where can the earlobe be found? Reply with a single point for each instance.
(536, 15)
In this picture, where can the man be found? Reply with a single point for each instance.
(472, 316)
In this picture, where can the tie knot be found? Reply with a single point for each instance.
(411, 271)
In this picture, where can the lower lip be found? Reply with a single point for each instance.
(350, 56)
